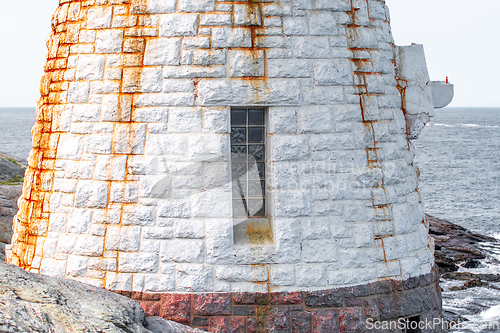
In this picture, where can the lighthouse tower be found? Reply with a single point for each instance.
(237, 164)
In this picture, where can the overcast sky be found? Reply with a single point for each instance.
(461, 40)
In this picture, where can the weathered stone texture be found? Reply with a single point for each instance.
(128, 185)
(345, 309)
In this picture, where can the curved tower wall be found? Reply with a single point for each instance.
(131, 180)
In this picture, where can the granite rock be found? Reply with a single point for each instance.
(9, 170)
(8, 208)
(36, 303)
(454, 245)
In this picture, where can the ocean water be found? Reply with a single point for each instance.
(458, 155)
(15, 130)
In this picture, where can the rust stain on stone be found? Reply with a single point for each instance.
(258, 233)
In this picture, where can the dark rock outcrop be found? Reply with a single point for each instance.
(10, 169)
(8, 208)
(455, 246)
(2, 251)
(35, 303)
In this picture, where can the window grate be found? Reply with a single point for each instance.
(248, 153)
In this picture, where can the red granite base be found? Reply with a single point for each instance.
(350, 309)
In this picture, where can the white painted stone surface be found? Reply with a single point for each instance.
(139, 194)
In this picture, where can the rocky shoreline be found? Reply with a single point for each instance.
(457, 247)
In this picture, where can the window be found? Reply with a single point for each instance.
(248, 167)
(248, 162)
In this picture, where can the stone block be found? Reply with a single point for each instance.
(77, 266)
(302, 4)
(246, 63)
(184, 120)
(311, 47)
(86, 113)
(401, 218)
(213, 203)
(196, 5)
(78, 92)
(90, 67)
(216, 120)
(332, 298)
(301, 321)
(116, 108)
(351, 320)
(289, 68)
(79, 221)
(215, 19)
(212, 305)
(395, 247)
(340, 277)
(208, 148)
(323, 95)
(241, 274)
(194, 278)
(288, 203)
(247, 15)
(173, 25)
(363, 234)
(219, 240)
(91, 194)
(362, 38)
(138, 263)
(310, 276)
(174, 208)
(70, 146)
(279, 319)
(159, 284)
(295, 26)
(109, 41)
(325, 321)
(315, 228)
(388, 269)
(65, 244)
(172, 144)
(124, 192)
(177, 85)
(90, 246)
(183, 251)
(123, 238)
(161, 6)
(162, 51)
(98, 144)
(282, 275)
(289, 148)
(110, 168)
(315, 119)
(209, 57)
(231, 37)
(319, 251)
(232, 324)
(189, 228)
(54, 268)
(129, 139)
(333, 72)
(151, 79)
(322, 23)
(99, 17)
(176, 307)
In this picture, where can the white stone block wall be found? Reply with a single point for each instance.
(129, 180)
